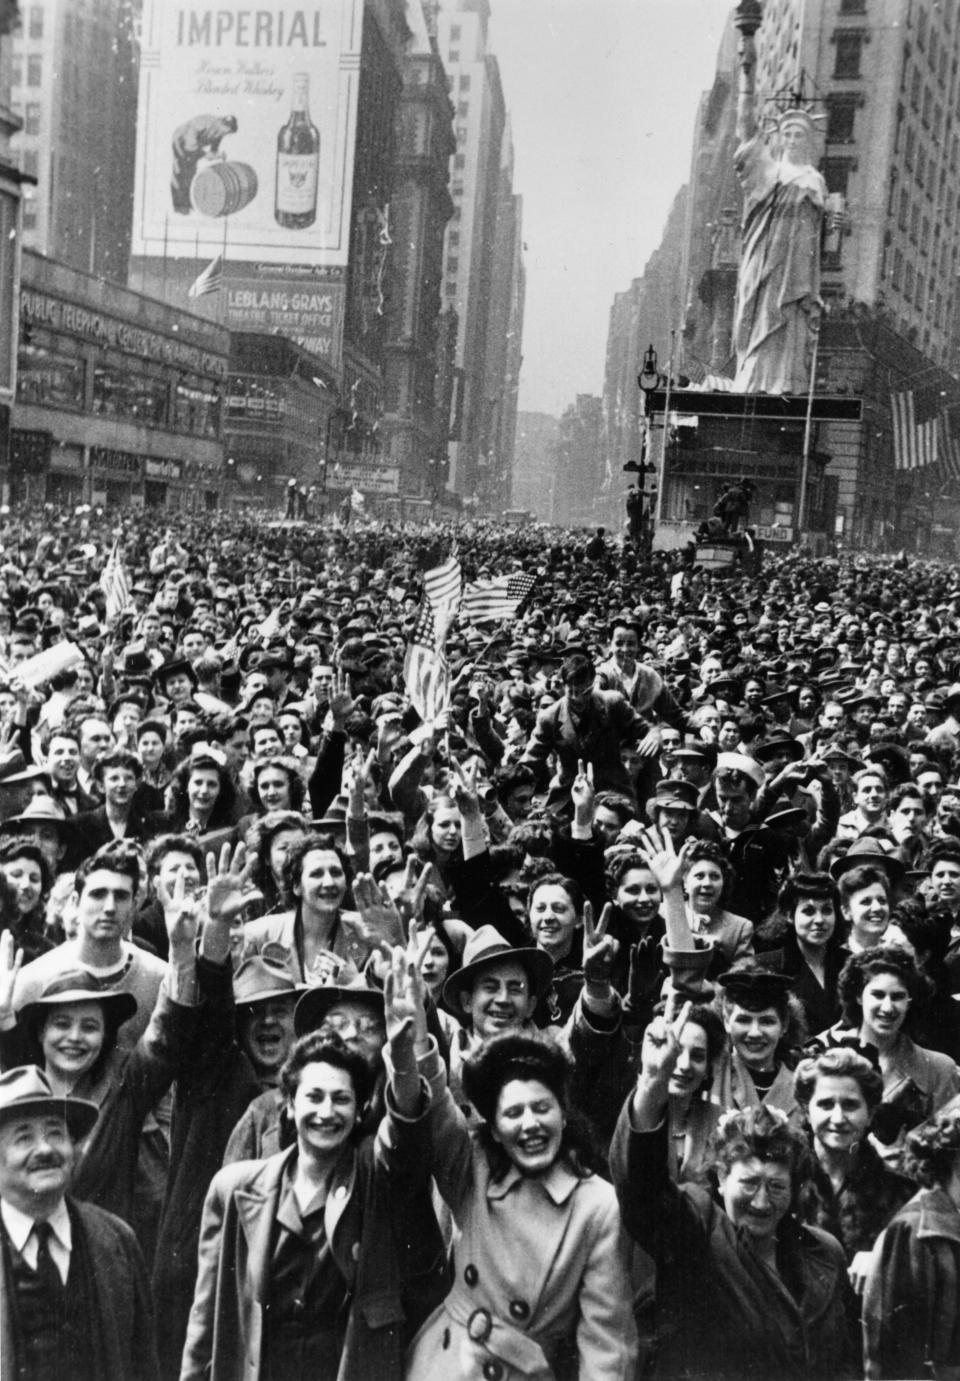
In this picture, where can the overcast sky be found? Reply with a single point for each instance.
(602, 95)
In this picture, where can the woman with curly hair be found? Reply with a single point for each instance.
(269, 840)
(542, 1287)
(27, 878)
(853, 1193)
(276, 784)
(809, 943)
(202, 797)
(911, 1308)
(744, 1288)
(877, 989)
(706, 876)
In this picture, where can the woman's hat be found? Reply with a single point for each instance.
(672, 792)
(754, 984)
(779, 745)
(311, 1011)
(514, 1055)
(80, 986)
(869, 850)
(180, 667)
(487, 946)
(26, 1090)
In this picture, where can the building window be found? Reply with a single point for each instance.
(924, 236)
(463, 110)
(464, 83)
(453, 264)
(29, 215)
(840, 116)
(853, 6)
(16, 70)
(914, 223)
(836, 174)
(454, 32)
(847, 60)
(31, 119)
(460, 161)
(903, 218)
(927, 106)
(921, 27)
(909, 278)
(454, 55)
(30, 162)
(453, 237)
(919, 297)
(910, 148)
(915, 84)
(896, 273)
(34, 70)
(921, 168)
(36, 21)
(892, 201)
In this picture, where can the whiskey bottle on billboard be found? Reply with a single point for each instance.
(298, 162)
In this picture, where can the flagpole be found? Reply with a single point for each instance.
(807, 432)
(163, 280)
(223, 272)
(497, 632)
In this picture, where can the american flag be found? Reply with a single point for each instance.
(497, 598)
(209, 281)
(949, 452)
(425, 670)
(916, 431)
(443, 585)
(115, 585)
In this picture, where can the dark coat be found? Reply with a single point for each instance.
(88, 832)
(118, 1281)
(371, 1196)
(911, 1306)
(721, 1313)
(857, 1212)
(606, 725)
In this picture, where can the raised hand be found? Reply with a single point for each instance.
(181, 915)
(404, 992)
(229, 890)
(599, 949)
(11, 960)
(582, 791)
(378, 915)
(409, 901)
(463, 784)
(342, 701)
(661, 1042)
(360, 771)
(660, 855)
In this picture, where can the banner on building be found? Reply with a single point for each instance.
(305, 306)
(245, 131)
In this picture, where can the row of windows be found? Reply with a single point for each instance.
(34, 22)
(50, 379)
(34, 70)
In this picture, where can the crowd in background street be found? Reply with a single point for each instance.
(602, 1022)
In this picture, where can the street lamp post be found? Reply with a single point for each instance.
(649, 381)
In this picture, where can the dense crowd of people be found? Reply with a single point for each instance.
(603, 1026)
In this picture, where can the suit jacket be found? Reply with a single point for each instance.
(122, 1291)
(89, 831)
(607, 724)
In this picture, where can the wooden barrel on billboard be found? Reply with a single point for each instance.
(221, 189)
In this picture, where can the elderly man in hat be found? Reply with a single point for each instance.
(74, 1295)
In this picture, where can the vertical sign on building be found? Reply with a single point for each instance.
(245, 144)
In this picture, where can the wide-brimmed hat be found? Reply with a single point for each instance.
(514, 1055)
(312, 1009)
(868, 850)
(260, 980)
(26, 1090)
(77, 985)
(41, 810)
(779, 745)
(176, 668)
(487, 946)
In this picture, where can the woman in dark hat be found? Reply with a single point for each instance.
(764, 1023)
(542, 1286)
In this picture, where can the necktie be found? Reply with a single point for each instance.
(46, 1267)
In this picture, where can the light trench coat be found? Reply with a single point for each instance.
(541, 1285)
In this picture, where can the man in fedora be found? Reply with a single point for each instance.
(74, 1294)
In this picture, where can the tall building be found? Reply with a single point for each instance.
(74, 86)
(882, 76)
(575, 457)
(484, 394)
(416, 413)
(535, 463)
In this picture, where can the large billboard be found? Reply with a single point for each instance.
(245, 131)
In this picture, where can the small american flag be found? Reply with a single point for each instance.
(916, 431)
(209, 281)
(425, 670)
(115, 585)
(497, 598)
(443, 584)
